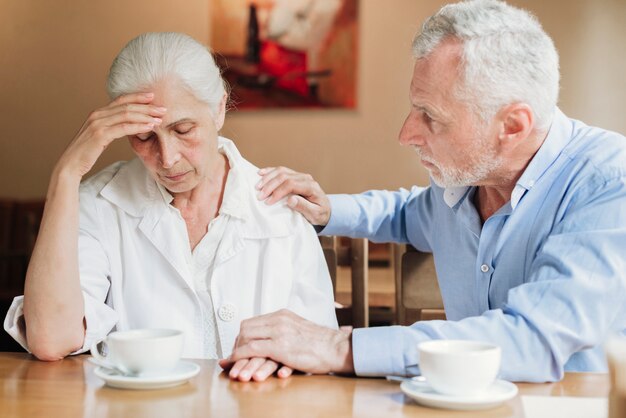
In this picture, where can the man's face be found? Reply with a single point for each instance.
(454, 145)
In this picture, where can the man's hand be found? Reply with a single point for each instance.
(290, 340)
(307, 197)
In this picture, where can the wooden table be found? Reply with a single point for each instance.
(69, 388)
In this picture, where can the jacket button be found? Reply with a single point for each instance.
(226, 312)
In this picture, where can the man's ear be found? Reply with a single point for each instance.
(517, 122)
(221, 113)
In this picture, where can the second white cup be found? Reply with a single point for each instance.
(141, 351)
(459, 368)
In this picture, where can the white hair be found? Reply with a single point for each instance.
(507, 57)
(151, 57)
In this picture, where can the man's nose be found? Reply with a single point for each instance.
(410, 132)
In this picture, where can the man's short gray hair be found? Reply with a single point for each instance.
(151, 57)
(507, 56)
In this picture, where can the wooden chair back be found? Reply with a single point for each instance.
(418, 293)
(354, 255)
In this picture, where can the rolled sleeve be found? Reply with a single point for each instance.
(99, 319)
(14, 322)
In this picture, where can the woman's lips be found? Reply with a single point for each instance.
(176, 177)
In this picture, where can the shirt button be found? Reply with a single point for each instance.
(484, 268)
(226, 312)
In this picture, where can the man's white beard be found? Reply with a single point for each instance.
(480, 164)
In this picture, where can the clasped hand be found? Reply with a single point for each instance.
(285, 342)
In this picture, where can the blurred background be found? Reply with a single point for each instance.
(55, 57)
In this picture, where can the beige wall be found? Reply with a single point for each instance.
(55, 55)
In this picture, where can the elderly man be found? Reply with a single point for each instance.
(525, 215)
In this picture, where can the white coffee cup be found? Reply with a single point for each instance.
(141, 351)
(459, 368)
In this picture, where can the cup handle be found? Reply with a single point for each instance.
(95, 353)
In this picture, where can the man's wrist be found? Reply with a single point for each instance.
(343, 354)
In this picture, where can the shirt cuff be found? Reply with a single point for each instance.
(381, 351)
(343, 210)
(14, 322)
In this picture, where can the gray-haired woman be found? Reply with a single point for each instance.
(175, 238)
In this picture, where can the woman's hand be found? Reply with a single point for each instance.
(256, 368)
(129, 114)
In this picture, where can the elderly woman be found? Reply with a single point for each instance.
(175, 238)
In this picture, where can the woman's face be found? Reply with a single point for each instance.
(180, 152)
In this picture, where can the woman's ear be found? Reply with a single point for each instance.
(221, 113)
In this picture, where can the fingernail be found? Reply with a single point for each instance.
(260, 195)
(161, 109)
(148, 94)
(258, 185)
(157, 121)
(261, 171)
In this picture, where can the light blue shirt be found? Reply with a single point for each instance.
(544, 277)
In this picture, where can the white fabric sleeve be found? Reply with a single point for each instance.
(100, 319)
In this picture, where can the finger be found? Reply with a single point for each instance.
(126, 129)
(245, 374)
(139, 97)
(300, 185)
(147, 109)
(237, 367)
(284, 372)
(311, 211)
(259, 348)
(281, 185)
(265, 370)
(275, 175)
(125, 116)
(265, 170)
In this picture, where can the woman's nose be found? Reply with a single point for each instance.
(168, 151)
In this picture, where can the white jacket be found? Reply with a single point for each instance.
(134, 261)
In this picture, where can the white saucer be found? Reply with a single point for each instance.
(184, 371)
(422, 393)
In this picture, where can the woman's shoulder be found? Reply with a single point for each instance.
(271, 220)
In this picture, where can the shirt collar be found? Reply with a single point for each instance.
(135, 191)
(558, 135)
(236, 184)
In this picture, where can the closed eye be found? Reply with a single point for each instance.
(184, 128)
(183, 131)
(145, 136)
